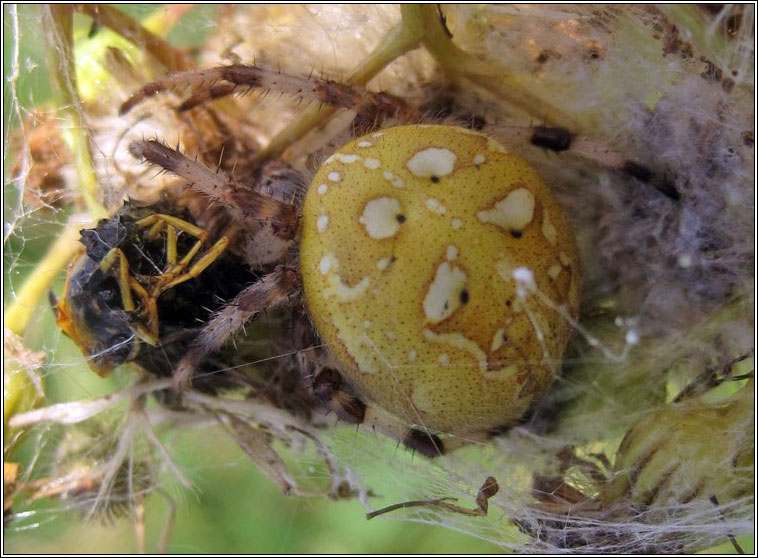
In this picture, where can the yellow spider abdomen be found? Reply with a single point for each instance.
(434, 263)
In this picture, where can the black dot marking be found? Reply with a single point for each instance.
(400, 218)
(464, 296)
(434, 178)
(516, 233)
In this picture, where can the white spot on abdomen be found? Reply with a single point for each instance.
(458, 341)
(334, 176)
(479, 159)
(513, 212)
(383, 264)
(322, 189)
(322, 222)
(554, 271)
(326, 264)
(347, 158)
(444, 294)
(548, 229)
(329, 266)
(342, 292)
(372, 163)
(435, 206)
(497, 340)
(397, 182)
(380, 217)
(451, 253)
(432, 162)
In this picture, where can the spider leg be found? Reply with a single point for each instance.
(371, 108)
(270, 291)
(331, 390)
(488, 489)
(247, 206)
(561, 139)
(205, 95)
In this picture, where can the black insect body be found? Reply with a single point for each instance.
(93, 311)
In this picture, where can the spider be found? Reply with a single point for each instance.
(440, 274)
(438, 270)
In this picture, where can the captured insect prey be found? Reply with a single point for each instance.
(146, 281)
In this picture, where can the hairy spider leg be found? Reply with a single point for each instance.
(214, 83)
(373, 109)
(559, 139)
(247, 206)
(329, 387)
(271, 291)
